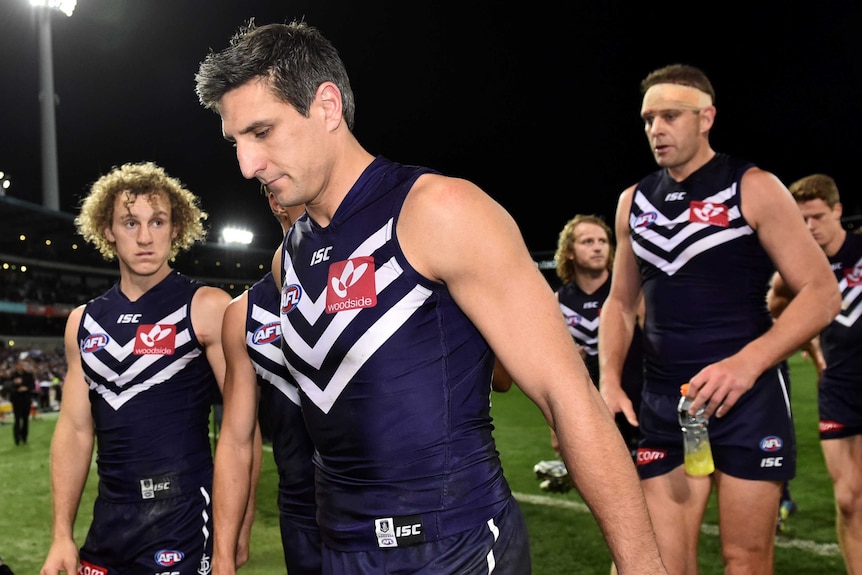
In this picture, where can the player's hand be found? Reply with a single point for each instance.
(62, 558)
(720, 385)
(618, 402)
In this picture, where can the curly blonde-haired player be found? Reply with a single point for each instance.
(144, 360)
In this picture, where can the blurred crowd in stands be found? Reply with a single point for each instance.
(49, 287)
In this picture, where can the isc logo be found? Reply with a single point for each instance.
(320, 255)
(267, 333)
(129, 318)
(674, 196)
(407, 530)
(772, 462)
(591, 305)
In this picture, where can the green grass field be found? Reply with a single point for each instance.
(565, 539)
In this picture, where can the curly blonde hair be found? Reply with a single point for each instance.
(565, 267)
(147, 179)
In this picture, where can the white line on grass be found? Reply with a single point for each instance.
(825, 549)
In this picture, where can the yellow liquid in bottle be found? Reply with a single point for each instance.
(700, 462)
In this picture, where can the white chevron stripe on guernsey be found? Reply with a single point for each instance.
(364, 348)
(719, 197)
(136, 368)
(849, 299)
(312, 308)
(118, 400)
(314, 355)
(271, 352)
(670, 267)
(120, 353)
(263, 316)
(680, 236)
(288, 390)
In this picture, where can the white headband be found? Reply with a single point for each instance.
(674, 97)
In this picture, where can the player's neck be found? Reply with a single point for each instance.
(352, 160)
(704, 154)
(833, 246)
(590, 280)
(134, 285)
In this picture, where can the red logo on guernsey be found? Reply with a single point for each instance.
(708, 213)
(351, 285)
(158, 339)
(647, 456)
(854, 276)
(87, 568)
(826, 426)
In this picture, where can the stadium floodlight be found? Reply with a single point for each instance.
(236, 236)
(48, 99)
(5, 183)
(64, 6)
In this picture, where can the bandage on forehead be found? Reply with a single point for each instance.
(674, 97)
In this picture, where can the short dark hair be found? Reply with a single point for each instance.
(295, 59)
(681, 74)
(816, 187)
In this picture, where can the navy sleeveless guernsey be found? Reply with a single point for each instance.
(151, 391)
(395, 380)
(703, 271)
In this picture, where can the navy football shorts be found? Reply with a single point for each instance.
(500, 547)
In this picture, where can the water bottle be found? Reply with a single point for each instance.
(695, 437)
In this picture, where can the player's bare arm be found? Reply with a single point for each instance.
(619, 315)
(71, 453)
(771, 211)
(235, 460)
(497, 284)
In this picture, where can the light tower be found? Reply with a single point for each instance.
(47, 99)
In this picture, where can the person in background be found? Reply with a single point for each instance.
(700, 238)
(257, 376)
(21, 397)
(584, 260)
(838, 355)
(144, 362)
(393, 309)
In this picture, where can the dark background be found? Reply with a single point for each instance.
(537, 103)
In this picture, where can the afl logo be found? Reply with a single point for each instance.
(94, 342)
(290, 297)
(646, 219)
(771, 443)
(267, 333)
(168, 557)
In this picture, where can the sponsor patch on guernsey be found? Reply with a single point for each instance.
(399, 531)
(160, 487)
(155, 339)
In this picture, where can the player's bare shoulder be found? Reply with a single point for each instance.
(208, 307)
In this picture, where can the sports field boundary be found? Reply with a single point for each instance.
(823, 549)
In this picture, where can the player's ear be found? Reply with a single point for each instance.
(707, 118)
(330, 99)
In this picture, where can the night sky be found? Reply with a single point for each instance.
(538, 104)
